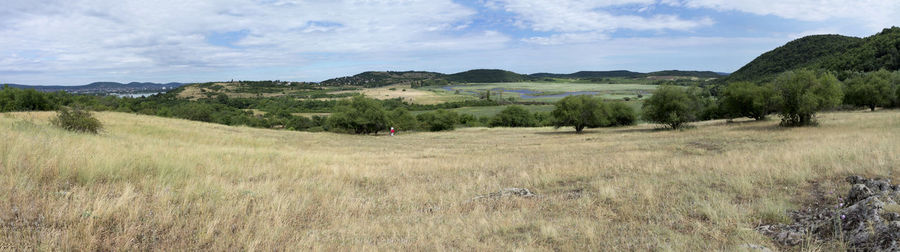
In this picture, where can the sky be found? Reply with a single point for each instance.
(76, 42)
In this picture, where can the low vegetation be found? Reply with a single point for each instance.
(151, 183)
(582, 111)
(77, 120)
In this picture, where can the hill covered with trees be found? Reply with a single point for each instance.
(829, 52)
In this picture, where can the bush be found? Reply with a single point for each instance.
(76, 120)
(360, 115)
(401, 119)
(802, 93)
(583, 111)
(513, 116)
(870, 90)
(746, 99)
(439, 120)
(621, 114)
(672, 106)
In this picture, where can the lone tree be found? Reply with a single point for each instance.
(746, 99)
(803, 93)
(514, 116)
(672, 106)
(580, 111)
(871, 90)
(360, 115)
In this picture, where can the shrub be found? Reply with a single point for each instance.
(439, 120)
(513, 116)
(401, 119)
(76, 120)
(746, 99)
(360, 115)
(672, 106)
(583, 111)
(803, 93)
(621, 114)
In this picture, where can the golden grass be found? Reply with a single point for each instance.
(166, 184)
(410, 95)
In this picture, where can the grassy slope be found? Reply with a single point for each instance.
(156, 183)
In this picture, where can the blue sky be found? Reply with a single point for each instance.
(75, 42)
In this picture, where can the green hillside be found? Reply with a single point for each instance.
(880, 51)
(831, 52)
(698, 74)
(486, 76)
(800, 53)
(378, 79)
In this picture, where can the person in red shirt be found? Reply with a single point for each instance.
(392, 131)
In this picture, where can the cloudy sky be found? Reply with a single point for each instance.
(75, 42)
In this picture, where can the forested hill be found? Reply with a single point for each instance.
(486, 75)
(830, 52)
(102, 87)
(378, 79)
(591, 74)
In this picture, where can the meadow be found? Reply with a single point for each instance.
(151, 183)
(549, 91)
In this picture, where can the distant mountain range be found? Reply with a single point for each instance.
(384, 78)
(105, 87)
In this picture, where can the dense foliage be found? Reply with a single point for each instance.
(872, 89)
(514, 116)
(672, 106)
(746, 99)
(360, 115)
(803, 93)
(803, 52)
(583, 111)
(439, 120)
(13, 99)
(829, 52)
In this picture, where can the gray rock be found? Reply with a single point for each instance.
(860, 221)
(508, 192)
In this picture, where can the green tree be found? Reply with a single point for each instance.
(438, 120)
(746, 99)
(621, 114)
(672, 106)
(513, 116)
(360, 115)
(580, 111)
(870, 90)
(401, 119)
(803, 93)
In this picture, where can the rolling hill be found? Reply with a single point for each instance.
(103, 87)
(829, 52)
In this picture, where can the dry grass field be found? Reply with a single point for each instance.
(406, 93)
(149, 183)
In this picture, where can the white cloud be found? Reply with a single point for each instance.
(117, 36)
(590, 16)
(872, 13)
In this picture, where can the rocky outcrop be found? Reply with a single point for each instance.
(508, 192)
(861, 220)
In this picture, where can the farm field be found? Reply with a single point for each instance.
(551, 91)
(412, 95)
(151, 183)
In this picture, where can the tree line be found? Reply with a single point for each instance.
(795, 95)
